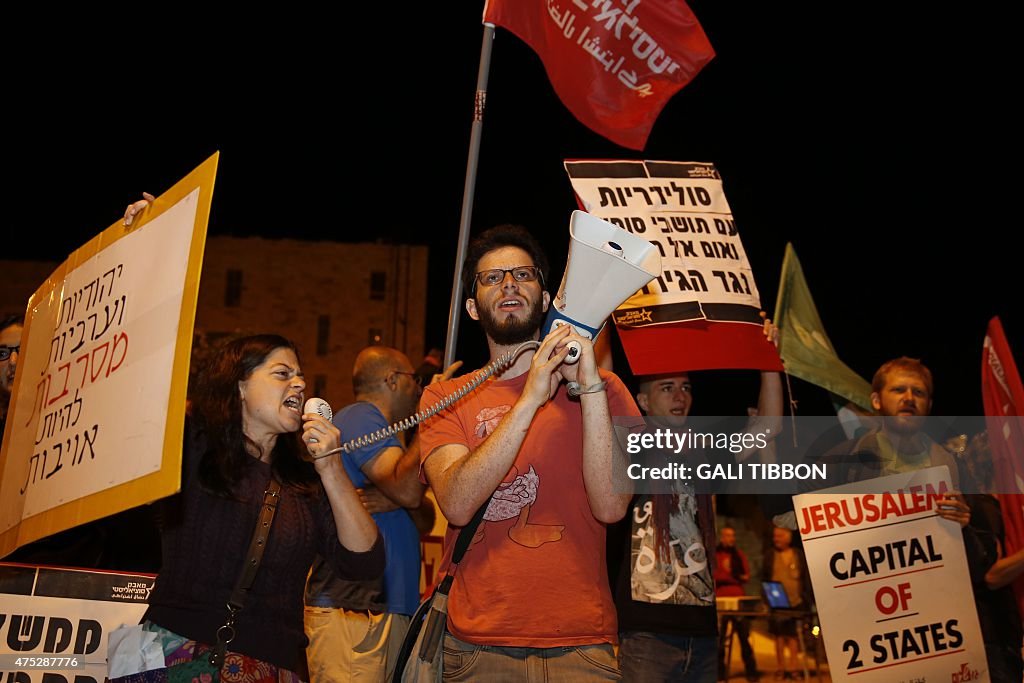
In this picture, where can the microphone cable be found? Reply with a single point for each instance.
(498, 364)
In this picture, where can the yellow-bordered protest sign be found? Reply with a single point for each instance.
(98, 405)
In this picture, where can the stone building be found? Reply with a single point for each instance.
(331, 298)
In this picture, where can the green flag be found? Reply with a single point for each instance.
(803, 344)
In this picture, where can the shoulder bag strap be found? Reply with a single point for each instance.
(253, 556)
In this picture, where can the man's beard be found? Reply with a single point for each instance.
(906, 426)
(511, 330)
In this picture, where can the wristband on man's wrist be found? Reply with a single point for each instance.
(575, 389)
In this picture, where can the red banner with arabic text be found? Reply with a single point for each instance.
(613, 63)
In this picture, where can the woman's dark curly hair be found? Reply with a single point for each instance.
(216, 407)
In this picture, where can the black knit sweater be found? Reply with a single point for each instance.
(204, 540)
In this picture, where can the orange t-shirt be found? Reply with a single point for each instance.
(537, 577)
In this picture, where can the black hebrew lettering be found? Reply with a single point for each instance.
(25, 632)
(605, 194)
(83, 442)
(693, 283)
(694, 224)
(47, 426)
(110, 287)
(647, 197)
(33, 468)
(118, 304)
(686, 245)
(681, 282)
(713, 249)
(725, 226)
(93, 288)
(90, 633)
(692, 196)
(58, 635)
(58, 465)
(619, 195)
(93, 294)
(81, 338)
(87, 442)
(731, 283)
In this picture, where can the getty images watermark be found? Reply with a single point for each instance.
(802, 454)
(675, 442)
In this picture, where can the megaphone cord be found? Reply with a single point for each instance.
(497, 365)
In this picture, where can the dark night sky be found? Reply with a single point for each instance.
(870, 140)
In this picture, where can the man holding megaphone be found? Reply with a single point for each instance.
(531, 598)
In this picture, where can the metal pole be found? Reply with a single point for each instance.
(480, 102)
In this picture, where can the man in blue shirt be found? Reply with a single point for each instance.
(356, 628)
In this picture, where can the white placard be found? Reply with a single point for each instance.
(891, 581)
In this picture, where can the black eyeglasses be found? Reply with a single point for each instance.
(416, 378)
(495, 276)
(6, 351)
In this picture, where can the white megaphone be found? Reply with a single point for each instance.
(606, 266)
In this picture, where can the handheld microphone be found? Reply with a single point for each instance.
(320, 407)
(574, 352)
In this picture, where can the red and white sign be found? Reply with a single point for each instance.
(705, 300)
(891, 582)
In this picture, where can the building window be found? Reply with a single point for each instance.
(378, 285)
(375, 337)
(323, 334)
(233, 291)
(319, 385)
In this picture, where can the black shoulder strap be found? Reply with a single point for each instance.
(257, 545)
(462, 545)
(253, 556)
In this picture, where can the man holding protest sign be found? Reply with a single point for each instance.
(669, 625)
(891, 579)
(901, 393)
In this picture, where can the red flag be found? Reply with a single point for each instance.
(1003, 395)
(614, 63)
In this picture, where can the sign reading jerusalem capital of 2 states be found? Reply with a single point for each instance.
(890, 580)
(681, 208)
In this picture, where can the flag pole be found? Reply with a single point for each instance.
(479, 103)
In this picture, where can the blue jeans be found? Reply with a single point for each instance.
(574, 664)
(657, 657)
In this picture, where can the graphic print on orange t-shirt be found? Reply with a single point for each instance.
(515, 495)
